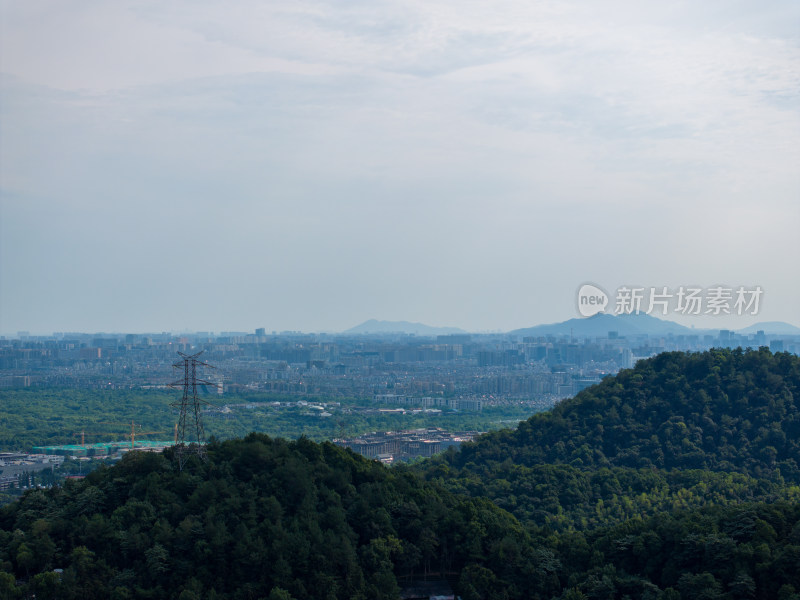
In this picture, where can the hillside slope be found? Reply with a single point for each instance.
(722, 410)
(261, 518)
(674, 480)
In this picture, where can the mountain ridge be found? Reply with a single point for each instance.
(598, 325)
(373, 326)
(601, 323)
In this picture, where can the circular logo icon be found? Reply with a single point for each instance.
(591, 300)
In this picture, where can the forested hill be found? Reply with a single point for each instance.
(261, 518)
(721, 410)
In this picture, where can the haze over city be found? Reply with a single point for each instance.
(310, 166)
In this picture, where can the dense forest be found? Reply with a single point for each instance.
(675, 480)
(261, 516)
(725, 410)
(679, 431)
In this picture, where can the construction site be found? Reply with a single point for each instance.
(102, 449)
(108, 449)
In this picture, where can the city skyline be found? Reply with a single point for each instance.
(422, 330)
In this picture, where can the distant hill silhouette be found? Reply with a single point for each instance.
(771, 328)
(595, 326)
(601, 323)
(376, 326)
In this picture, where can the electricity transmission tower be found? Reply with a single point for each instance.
(192, 442)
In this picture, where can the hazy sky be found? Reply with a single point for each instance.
(212, 165)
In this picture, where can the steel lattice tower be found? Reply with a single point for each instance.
(194, 443)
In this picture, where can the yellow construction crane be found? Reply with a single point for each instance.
(134, 433)
(83, 434)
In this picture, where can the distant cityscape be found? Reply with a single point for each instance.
(451, 371)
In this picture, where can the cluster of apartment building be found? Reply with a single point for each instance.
(16, 464)
(471, 404)
(392, 446)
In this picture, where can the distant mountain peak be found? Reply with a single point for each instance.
(601, 323)
(407, 327)
(771, 328)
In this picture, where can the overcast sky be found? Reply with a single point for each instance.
(220, 166)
